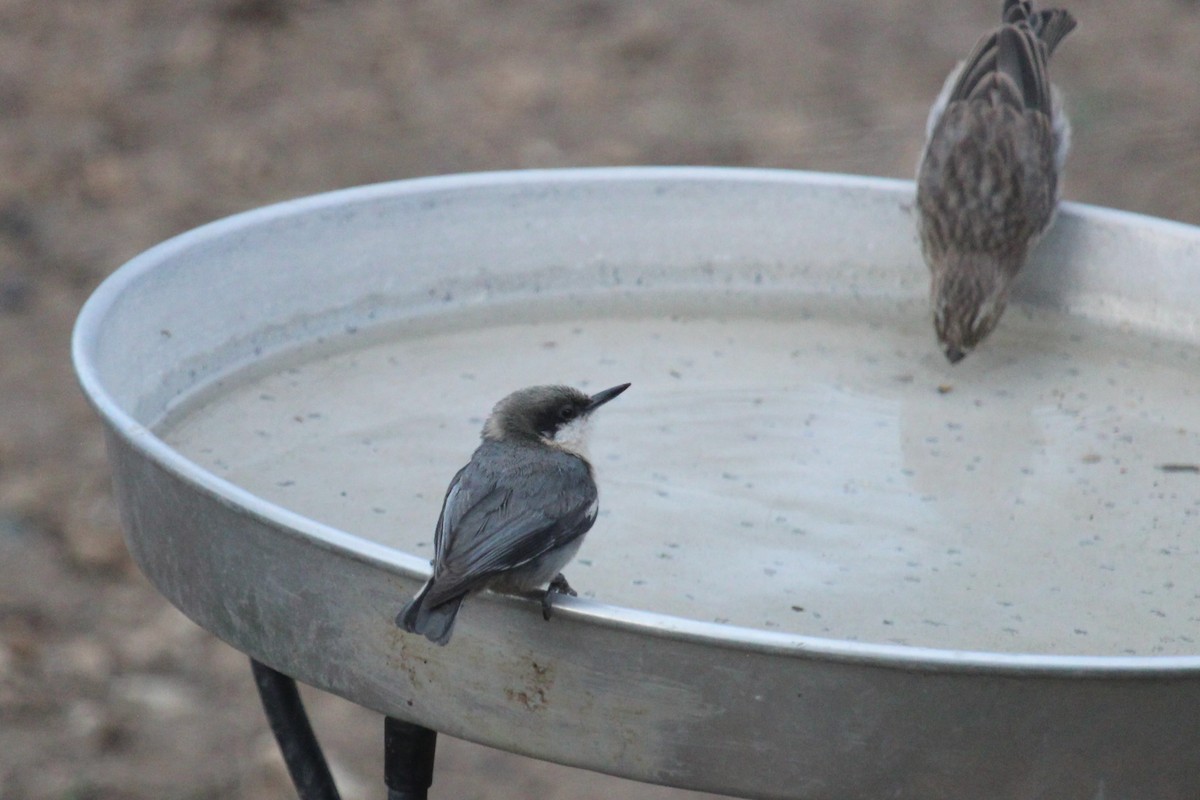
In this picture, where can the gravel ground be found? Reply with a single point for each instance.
(127, 121)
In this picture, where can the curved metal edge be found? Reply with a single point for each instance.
(659, 710)
(141, 438)
(906, 658)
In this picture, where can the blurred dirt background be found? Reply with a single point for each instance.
(123, 122)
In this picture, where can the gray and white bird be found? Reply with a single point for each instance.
(988, 182)
(517, 512)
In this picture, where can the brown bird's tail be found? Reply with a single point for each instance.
(1051, 25)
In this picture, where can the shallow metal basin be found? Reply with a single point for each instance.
(829, 565)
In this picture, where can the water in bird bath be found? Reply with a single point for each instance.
(796, 464)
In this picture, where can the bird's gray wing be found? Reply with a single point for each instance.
(493, 523)
(472, 491)
(449, 501)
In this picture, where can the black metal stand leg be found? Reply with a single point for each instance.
(408, 752)
(301, 752)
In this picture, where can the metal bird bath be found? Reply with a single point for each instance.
(828, 565)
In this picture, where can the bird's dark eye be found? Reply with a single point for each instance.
(567, 413)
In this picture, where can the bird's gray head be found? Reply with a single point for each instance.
(551, 414)
(969, 292)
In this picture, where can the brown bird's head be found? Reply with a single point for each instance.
(969, 292)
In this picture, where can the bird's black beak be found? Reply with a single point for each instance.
(600, 398)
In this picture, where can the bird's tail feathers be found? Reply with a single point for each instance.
(1052, 26)
(436, 623)
(1015, 11)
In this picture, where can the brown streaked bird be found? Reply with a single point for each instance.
(517, 512)
(988, 182)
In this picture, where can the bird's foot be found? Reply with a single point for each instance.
(557, 586)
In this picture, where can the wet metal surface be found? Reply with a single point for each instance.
(785, 466)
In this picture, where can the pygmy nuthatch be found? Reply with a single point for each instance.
(516, 513)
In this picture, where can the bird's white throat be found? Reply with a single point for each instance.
(572, 437)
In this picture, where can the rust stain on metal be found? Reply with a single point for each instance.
(534, 695)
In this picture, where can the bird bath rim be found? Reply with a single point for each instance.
(893, 656)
